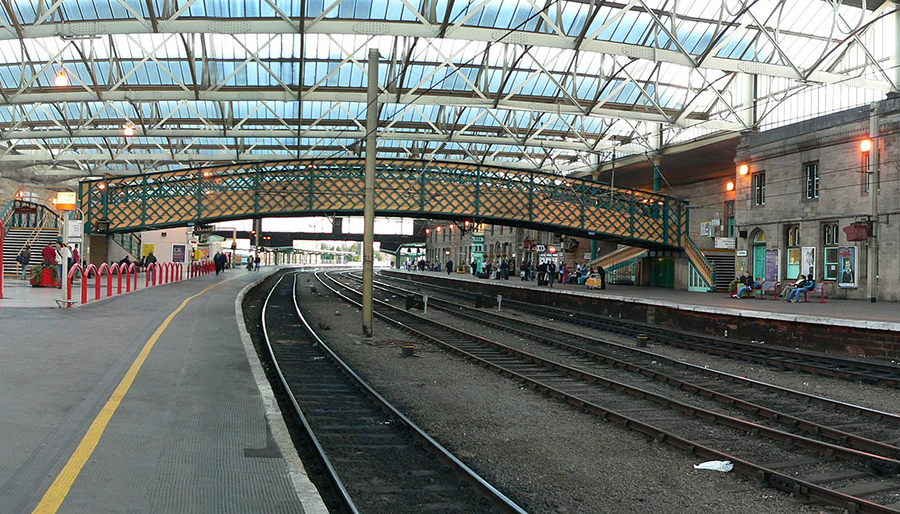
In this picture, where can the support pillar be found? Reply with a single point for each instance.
(748, 100)
(656, 140)
(872, 260)
(369, 206)
(895, 61)
(656, 174)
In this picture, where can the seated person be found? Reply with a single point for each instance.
(808, 285)
(748, 286)
(790, 287)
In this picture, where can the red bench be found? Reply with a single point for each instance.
(818, 289)
(768, 285)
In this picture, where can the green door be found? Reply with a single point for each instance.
(662, 273)
(759, 261)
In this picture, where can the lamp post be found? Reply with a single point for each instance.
(872, 244)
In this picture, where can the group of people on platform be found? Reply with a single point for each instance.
(547, 273)
(789, 293)
(51, 255)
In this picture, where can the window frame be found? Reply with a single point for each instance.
(759, 189)
(811, 182)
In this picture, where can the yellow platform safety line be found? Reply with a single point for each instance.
(58, 491)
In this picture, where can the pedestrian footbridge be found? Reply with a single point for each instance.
(410, 188)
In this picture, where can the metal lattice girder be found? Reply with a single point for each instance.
(557, 86)
(403, 188)
(427, 30)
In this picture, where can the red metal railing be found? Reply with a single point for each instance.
(158, 273)
(2, 232)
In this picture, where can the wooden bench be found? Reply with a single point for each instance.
(818, 289)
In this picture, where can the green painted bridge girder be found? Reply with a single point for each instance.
(406, 188)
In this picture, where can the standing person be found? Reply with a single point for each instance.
(151, 259)
(76, 255)
(504, 269)
(48, 254)
(474, 268)
(450, 266)
(551, 273)
(523, 271)
(24, 258)
(602, 271)
(542, 273)
(256, 261)
(217, 261)
(564, 271)
(62, 254)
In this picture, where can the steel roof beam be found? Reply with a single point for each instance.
(153, 94)
(391, 28)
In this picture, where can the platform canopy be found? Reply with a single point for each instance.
(95, 87)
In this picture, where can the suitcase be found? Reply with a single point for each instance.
(542, 282)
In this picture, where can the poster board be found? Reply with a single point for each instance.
(848, 267)
(808, 261)
(147, 248)
(178, 253)
(773, 265)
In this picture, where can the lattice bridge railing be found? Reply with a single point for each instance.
(413, 188)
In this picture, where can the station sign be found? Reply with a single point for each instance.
(74, 231)
(726, 242)
(540, 248)
(65, 201)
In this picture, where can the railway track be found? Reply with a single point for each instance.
(376, 459)
(794, 411)
(800, 465)
(864, 370)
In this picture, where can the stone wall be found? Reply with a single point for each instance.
(832, 143)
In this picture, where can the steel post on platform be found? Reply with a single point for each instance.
(872, 260)
(63, 282)
(369, 207)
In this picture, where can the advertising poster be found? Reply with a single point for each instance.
(178, 253)
(773, 270)
(147, 248)
(847, 266)
(808, 261)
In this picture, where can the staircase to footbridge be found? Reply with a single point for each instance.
(406, 188)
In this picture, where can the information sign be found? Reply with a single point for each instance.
(725, 242)
(75, 231)
(65, 201)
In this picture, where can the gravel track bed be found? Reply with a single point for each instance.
(547, 456)
(885, 398)
(733, 441)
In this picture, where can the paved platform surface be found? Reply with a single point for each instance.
(851, 313)
(20, 293)
(190, 435)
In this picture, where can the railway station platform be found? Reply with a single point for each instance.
(842, 326)
(148, 402)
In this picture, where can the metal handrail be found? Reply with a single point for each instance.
(704, 267)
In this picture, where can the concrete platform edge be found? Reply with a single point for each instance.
(708, 309)
(310, 500)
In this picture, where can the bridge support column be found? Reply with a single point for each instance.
(369, 206)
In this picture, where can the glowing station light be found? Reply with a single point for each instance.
(61, 80)
(865, 146)
(729, 186)
(743, 169)
(128, 130)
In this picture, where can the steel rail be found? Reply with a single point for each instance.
(762, 474)
(513, 326)
(497, 498)
(809, 361)
(332, 476)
